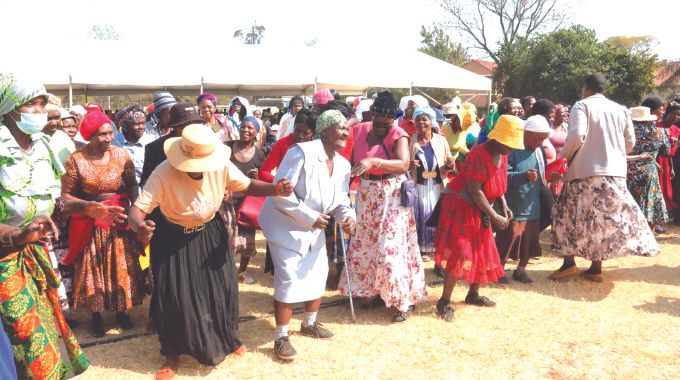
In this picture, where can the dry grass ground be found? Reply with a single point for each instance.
(625, 328)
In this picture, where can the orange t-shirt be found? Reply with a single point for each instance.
(186, 201)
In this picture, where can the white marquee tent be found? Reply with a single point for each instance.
(120, 67)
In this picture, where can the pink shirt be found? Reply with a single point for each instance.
(362, 150)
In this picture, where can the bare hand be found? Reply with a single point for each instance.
(252, 173)
(145, 231)
(531, 175)
(556, 176)
(38, 229)
(508, 213)
(499, 221)
(645, 157)
(321, 222)
(104, 213)
(450, 164)
(414, 164)
(284, 188)
(363, 166)
(348, 225)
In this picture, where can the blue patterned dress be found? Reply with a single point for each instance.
(643, 177)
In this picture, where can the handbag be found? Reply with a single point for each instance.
(246, 216)
(408, 191)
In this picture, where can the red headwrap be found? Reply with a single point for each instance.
(92, 122)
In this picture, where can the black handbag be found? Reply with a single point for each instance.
(409, 191)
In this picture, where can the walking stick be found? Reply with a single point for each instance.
(343, 247)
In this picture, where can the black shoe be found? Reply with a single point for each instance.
(503, 281)
(439, 271)
(373, 303)
(283, 349)
(97, 328)
(445, 310)
(477, 300)
(316, 331)
(522, 277)
(124, 321)
(400, 316)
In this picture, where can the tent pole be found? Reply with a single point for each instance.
(315, 84)
(70, 91)
(109, 100)
(201, 86)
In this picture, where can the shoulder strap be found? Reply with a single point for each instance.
(387, 152)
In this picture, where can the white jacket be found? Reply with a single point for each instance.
(288, 221)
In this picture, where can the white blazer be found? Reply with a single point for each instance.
(287, 221)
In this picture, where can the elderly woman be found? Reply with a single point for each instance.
(247, 158)
(108, 276)
(507, 106)
(526, 177)
(595, 217)
(194, 303)
(430, 162)
(643, 176)
(29, 184)
(669, 123)
(384, 260)
(293, 226)
(464, 239)
(134, 135)
(207, 109)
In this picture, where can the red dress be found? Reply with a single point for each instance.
(673, 133)
(461, 240)
(274, 158)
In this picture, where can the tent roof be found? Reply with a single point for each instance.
(122, 67)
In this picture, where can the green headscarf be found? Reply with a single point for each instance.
(329, 119)
(16, 90)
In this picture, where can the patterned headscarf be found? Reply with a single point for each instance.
(92, 122)
(127, 117)
(16, 90)
(329, 119)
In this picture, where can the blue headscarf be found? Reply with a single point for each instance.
(429, 112)
(253, 120)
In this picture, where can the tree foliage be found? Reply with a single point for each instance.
(491, 24)
(437, 43)
(252, 37)
(553, 65)
(103, 32)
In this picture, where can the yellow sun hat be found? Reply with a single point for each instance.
(509, 131)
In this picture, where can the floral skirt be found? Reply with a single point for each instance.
(32, 317)
(108, 276)
(383, 256)
(465, 244)
(596, 218)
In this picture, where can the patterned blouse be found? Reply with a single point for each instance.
(83, 176)
(29, 182)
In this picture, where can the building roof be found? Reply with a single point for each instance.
(664, 73)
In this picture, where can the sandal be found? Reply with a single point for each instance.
(445, 311)
(246, 278)
(400, 316)
(477, 300)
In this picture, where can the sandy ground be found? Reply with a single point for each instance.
(627, 327)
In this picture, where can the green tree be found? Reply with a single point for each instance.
(553, 66)
(436, 43)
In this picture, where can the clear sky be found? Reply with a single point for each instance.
(342, 24)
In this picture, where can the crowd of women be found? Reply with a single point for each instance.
(376, 185)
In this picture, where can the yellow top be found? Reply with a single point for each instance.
(186, 201)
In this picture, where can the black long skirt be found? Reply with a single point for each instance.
(194, 303)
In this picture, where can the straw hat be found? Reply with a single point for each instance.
(509, 131)
(641, 114)
(196, 151)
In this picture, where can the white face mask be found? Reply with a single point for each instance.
(32, 123)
